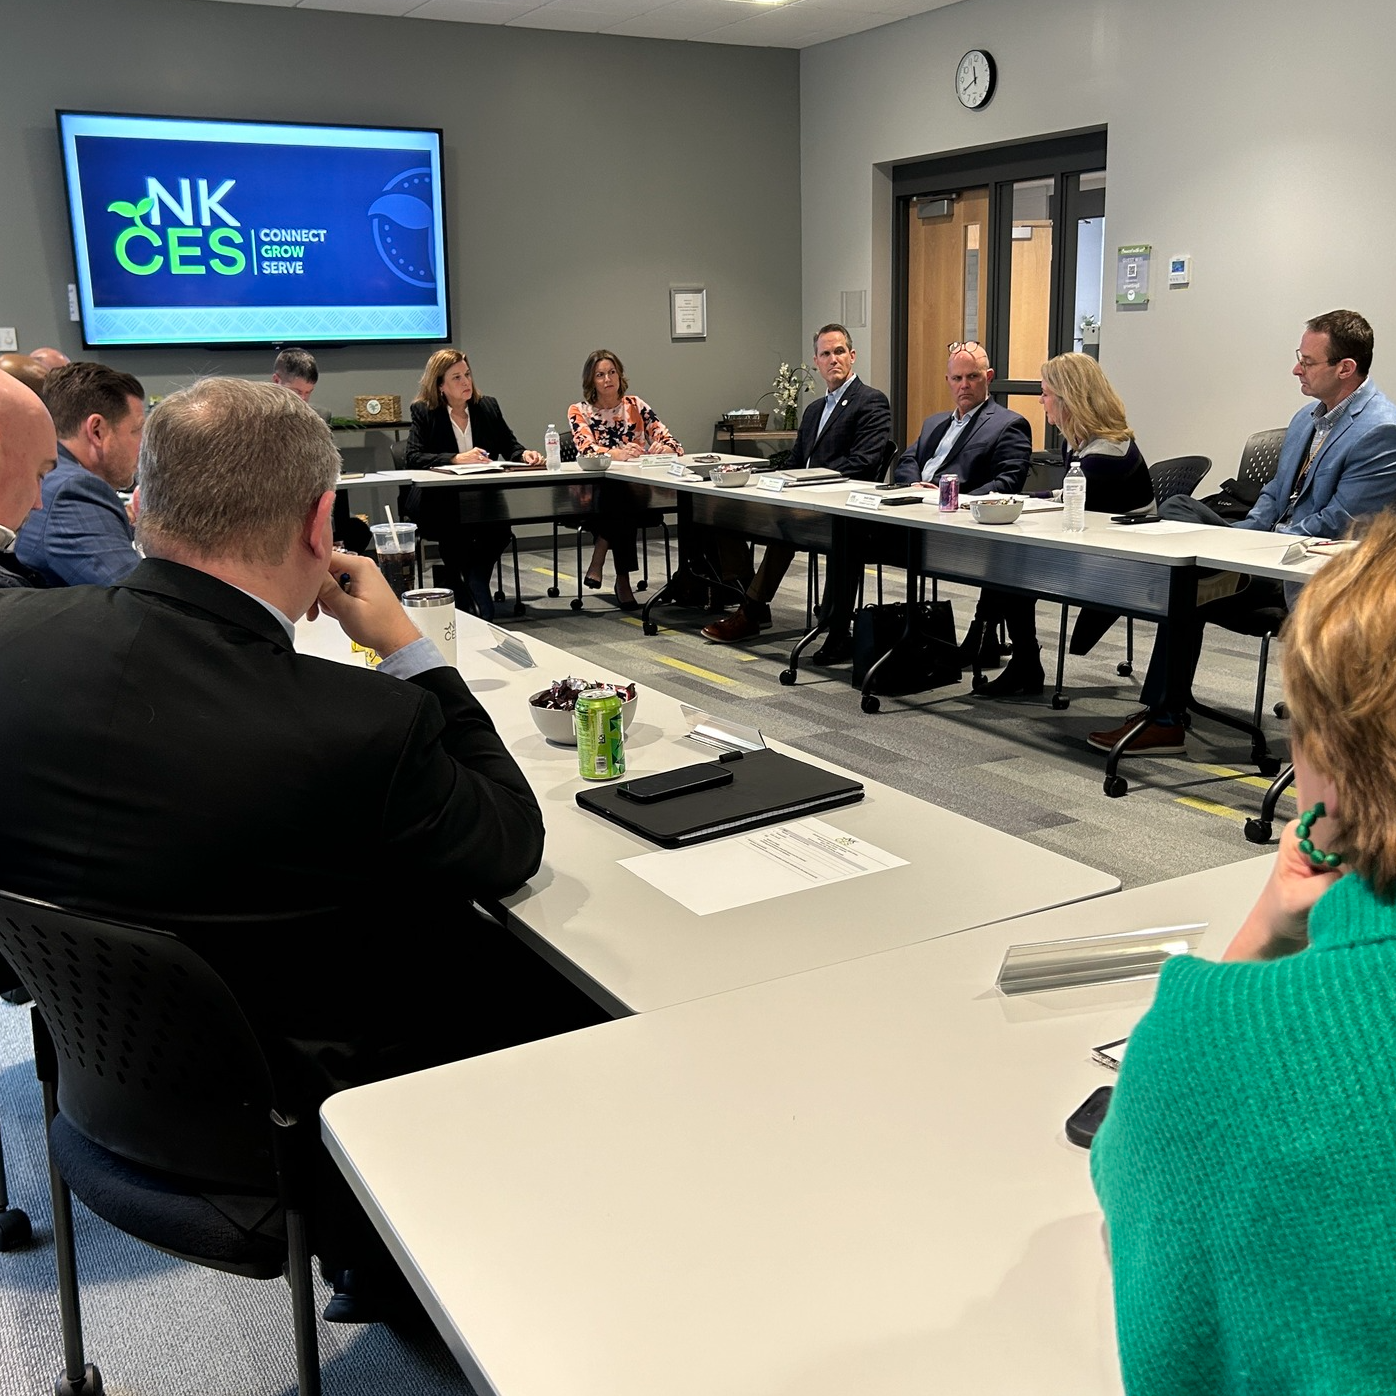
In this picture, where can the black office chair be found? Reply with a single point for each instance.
(399, 455)
(1259, 829)
(857, 554)
(15, 1230)
(166, 1113)
(1178, 475)
(1260, 459)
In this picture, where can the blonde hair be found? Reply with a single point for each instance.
(1090, 408)
(1339, 643)
(438, 366)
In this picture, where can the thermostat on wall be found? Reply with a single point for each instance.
(1179, 271)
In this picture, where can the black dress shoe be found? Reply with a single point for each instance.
(836, 649)
(1023, 676)
(591, 583)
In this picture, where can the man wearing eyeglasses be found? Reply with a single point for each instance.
(1337, 464)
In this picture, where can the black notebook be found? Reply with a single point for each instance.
(766, 788)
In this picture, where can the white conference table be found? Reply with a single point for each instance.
(633, 948)
(849, 1180)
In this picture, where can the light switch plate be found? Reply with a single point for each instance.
(7, 338)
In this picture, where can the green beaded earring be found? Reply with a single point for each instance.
(1317, 856)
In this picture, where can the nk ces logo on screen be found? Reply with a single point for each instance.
(229, 226)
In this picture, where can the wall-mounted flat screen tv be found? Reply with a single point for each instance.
(254, 233)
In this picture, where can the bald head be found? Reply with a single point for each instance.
(969, 375)
(28, 449)
(24, 368)
(49, 358)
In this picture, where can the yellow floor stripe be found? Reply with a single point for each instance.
(1211, 807)
(741, 656)
(1261, 782)
(694, 670)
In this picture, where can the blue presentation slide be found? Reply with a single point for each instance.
(216, 232)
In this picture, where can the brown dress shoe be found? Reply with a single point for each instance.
(1157, 739)
(729, 629)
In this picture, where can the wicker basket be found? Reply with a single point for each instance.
(744, 424)
(382, 407)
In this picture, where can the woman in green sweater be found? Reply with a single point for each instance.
(1247, 1167)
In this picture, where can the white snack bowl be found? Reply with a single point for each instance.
(730, 479)
(992, 509)
(555, 724)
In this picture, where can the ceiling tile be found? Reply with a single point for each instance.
(473, 11)
(704, 21)
(397, 8)
(684, 20)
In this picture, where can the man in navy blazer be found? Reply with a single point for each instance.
(846, 430)
(1337, 464)
(82, 534)
(985, 445)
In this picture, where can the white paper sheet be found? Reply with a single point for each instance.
(755, 867)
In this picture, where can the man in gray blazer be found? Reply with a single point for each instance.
(1337, 464)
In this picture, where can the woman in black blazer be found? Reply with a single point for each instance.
(452, 424)
(1079, 401)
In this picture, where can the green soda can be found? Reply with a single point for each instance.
(600, 738)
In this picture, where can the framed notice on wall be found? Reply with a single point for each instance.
(1132, 274)
(688, 312)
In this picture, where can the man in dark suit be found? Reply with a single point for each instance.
(986, 446)
(302, 824)
(846, 430)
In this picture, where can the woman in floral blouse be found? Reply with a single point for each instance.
(623, 426)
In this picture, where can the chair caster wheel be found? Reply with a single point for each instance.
(1281, 710)
(1258, 831)
(870, 703)
(1115, 786)
(642, 585)
(553, 591)
(978, 682)
(576, 603)
(649, 627)
(1060, 701)
(89, 1384)
(1124, 668)
(520, 609)
(14, 1229)
(1266, 765)
(787, 677)
(499, 596)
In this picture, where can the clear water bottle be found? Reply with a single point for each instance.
(552, 447)
(1074, 499)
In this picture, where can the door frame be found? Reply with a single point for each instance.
(1072, 153)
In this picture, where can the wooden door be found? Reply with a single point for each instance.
(947, 287)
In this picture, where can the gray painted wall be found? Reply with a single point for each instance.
(1237, 133)
(585, 174)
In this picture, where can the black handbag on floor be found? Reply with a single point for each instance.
(927, 658)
